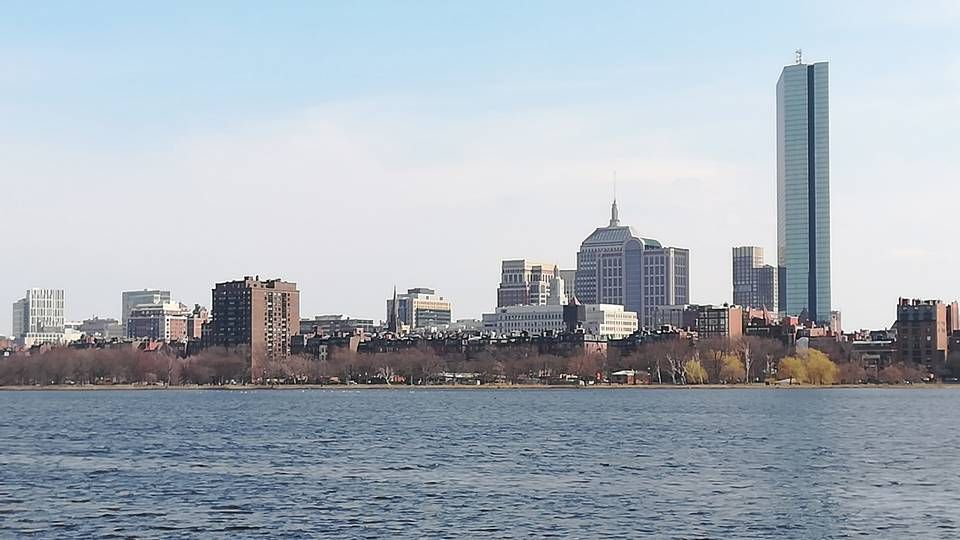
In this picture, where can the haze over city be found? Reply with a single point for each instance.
(353, 148)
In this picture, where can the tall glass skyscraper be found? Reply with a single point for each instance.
(803, 190)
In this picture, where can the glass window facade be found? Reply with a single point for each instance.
(803, 190)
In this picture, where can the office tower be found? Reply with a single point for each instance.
(754, 283)
(803, 190)
(132, 299)
(261, 315)
(420, 307)
(524, 283)
(38, 317)
(616, 266)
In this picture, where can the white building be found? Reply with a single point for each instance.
(608, 320)
(131, 299)
(38, 317)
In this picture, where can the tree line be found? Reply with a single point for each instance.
(708, 361)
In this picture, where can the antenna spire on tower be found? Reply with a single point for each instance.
(799, 53)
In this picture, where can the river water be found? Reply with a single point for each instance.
(835, 463)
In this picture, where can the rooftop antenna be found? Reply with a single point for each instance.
(799, 53)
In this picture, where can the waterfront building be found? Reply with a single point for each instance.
(132, 299)
(329, 325)
(158, 322)
(524, 282)
(803, 191)
(38, 317)
(617, 266)
(708, 321)
(261, 315)
(923, 331)
(754, 283)
(420, 307)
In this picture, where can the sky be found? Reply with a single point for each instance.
(354, 146)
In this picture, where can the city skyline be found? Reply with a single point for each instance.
(419, 148)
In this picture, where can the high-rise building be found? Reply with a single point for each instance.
(420, 307)
(38, 317)
(803, 190)
(616, 266)
(754, 283)
(261, 315)
(132, 299)
(524, 283)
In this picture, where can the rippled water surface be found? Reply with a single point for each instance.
(840, 463)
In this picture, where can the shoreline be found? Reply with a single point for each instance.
(464, 387)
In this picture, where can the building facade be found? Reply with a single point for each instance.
(102, 328)
(132, 299)
(606, 320)
(923, 331)
(38, 317)
(261, 315)
(160, 322)
(707, 321)
(754, 283)
(524, 282)
(329, 325)
(616, 266)
(803, 191)
(419, 308)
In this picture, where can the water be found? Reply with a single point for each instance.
(839, 463)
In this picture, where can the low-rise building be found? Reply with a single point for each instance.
(607, 320)
(329, 325)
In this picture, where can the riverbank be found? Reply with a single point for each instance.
(344, 387)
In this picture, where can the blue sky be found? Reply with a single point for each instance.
(352, 146)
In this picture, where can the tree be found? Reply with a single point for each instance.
(819, 368)
(694, 372)
(732, 369)
(852, 373)
(891, 375)
(792, 368)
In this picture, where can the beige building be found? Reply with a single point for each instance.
(419, 308)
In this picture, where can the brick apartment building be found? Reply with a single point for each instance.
(923, 331)
(261, 315)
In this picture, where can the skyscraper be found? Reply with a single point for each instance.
(754, 283)
(803, 190)
(616, 266)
